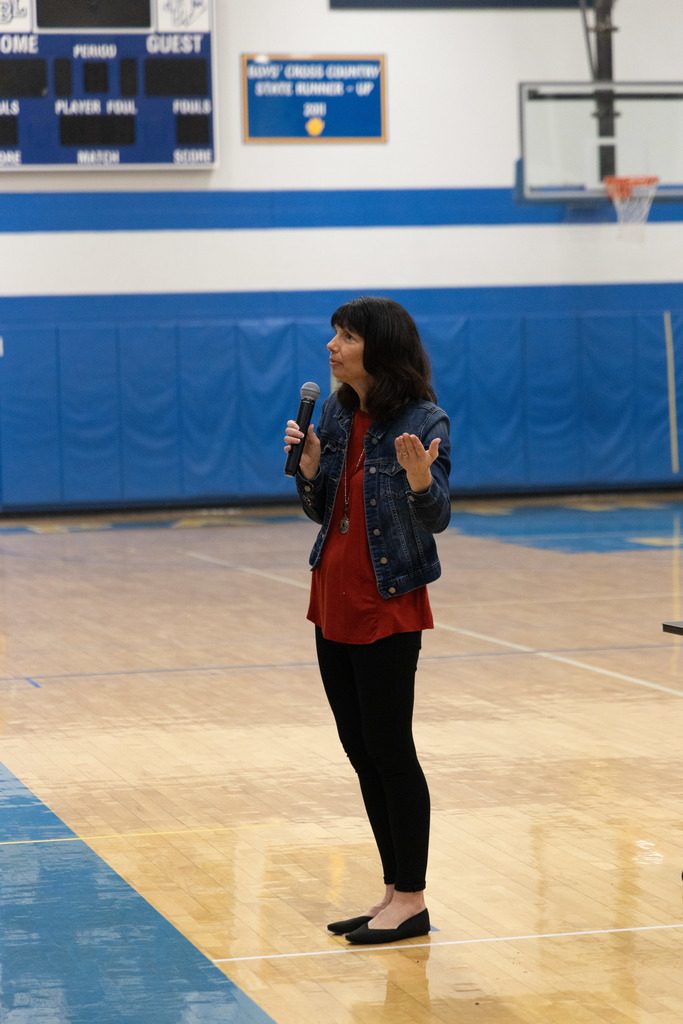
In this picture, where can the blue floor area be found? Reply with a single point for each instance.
(78, 945)
(573, 530)
(598, 526)
(99, 523)
(621, 525)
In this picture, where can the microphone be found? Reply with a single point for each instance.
(309, 393)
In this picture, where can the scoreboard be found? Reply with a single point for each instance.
(106, 84)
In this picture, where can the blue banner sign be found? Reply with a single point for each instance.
(313, 99)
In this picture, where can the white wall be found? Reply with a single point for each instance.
(452, 93)
(452, 123)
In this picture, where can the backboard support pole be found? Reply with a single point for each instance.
(604, 72)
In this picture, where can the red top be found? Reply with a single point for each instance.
(345, 601)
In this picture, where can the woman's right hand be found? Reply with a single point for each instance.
(310, 456)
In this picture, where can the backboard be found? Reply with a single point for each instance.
(574, 134)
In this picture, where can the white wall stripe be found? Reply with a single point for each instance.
(356, 259)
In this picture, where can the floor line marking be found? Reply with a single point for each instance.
(562, 660)
(163, 671)
(454, 942)
(512, 649)
(35, 842)
(485, 636)
(610, 648)
(609, 672)
(244, 568)
(592, 599)
(633, 535)
(139, 835)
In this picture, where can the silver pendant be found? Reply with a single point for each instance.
(344, 524)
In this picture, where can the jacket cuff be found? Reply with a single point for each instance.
(311, 494)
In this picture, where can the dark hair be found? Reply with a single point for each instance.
(392, 354)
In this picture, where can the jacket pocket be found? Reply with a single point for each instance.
(330, 445)
(404, 533)
(392, 478)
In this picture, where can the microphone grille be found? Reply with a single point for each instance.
(310, 390)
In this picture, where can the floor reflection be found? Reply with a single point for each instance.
(79, 945)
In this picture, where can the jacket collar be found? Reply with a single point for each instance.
(344, 418)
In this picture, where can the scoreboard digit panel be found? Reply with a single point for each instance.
(106, 84)
(86, 14)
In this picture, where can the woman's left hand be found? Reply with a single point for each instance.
(416, 459)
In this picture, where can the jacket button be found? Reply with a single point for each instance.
(372, 469)
(375, 440)
(383, 561)
(372, 501)
(307, 488)
(376, 533)
(392, 590)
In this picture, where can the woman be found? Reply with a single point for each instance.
(375, 476)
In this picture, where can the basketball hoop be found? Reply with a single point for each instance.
(632, 196)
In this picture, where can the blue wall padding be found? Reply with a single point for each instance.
(450, 358)
(554, 415)
(150, 419)
(30, 431)
(608, 392)
(89, 414)
(497, 418)
(210, 402)
(267, 390)
(169, 412)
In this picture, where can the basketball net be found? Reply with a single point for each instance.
(632, 196)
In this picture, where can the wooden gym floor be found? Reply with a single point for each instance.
(179, 822)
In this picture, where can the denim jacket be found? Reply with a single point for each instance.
(400, 524)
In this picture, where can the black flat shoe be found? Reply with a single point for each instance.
(410, 929)
(342, 927)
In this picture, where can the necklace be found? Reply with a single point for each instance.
(344, 521)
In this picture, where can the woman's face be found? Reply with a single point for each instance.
(346, 359)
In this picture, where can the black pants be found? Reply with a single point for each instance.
(371, 688)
